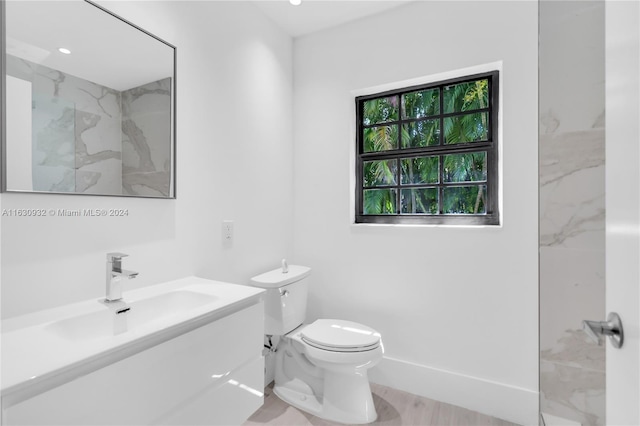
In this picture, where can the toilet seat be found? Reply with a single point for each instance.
(340, 336)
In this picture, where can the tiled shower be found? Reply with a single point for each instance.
(572, 208)
(89, 138)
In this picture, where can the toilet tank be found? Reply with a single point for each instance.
(286, 299)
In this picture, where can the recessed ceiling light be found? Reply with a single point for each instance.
(64, 50)
(295, 2)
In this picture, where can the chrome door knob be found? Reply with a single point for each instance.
(612, 327)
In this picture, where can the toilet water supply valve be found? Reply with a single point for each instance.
(270, 347)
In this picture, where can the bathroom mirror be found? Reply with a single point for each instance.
(89, 102)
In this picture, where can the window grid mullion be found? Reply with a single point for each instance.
(440, 183)
(398, 176)
(429, 185)
(398, 165)
(398, 170)
(425, 118)
(428, 151)
(441, 156)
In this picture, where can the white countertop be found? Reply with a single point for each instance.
(35, 359)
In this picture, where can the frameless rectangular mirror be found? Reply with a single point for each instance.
(89, 102)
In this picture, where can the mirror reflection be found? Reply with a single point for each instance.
(89, 102)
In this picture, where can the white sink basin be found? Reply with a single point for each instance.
(47, 348)
(120, 317)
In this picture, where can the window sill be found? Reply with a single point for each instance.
(492, 219)
(355, 225)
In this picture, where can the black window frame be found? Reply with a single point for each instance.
(492, 215)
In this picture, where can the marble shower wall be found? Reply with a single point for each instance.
(146, 139)
(88, 138)
(76, 136)
(572, 208)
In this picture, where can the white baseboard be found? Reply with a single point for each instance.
(551, 420)
(495, 399)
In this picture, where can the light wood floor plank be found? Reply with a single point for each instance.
(394, 407)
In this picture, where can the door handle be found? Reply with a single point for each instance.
(612, 327)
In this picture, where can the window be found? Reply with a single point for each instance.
(429, 154)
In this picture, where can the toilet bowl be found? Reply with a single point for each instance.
(321, 367)
(339, 355)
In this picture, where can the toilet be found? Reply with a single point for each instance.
(321, 368)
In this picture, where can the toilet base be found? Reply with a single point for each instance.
(330, 385)
(347, 402)
(302, 400)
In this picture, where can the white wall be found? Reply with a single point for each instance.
(457, 307)
(234, 151)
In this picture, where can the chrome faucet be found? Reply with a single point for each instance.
(115, 274)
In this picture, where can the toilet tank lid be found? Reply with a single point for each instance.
(276, 278)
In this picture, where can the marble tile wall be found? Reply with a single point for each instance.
(76, 132)
(146, 139)
(88, 138)
(572, 208)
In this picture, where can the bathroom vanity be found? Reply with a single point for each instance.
(184, 352)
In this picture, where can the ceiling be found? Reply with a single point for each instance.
(105, 50)
(316, 15)
(116, 46)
